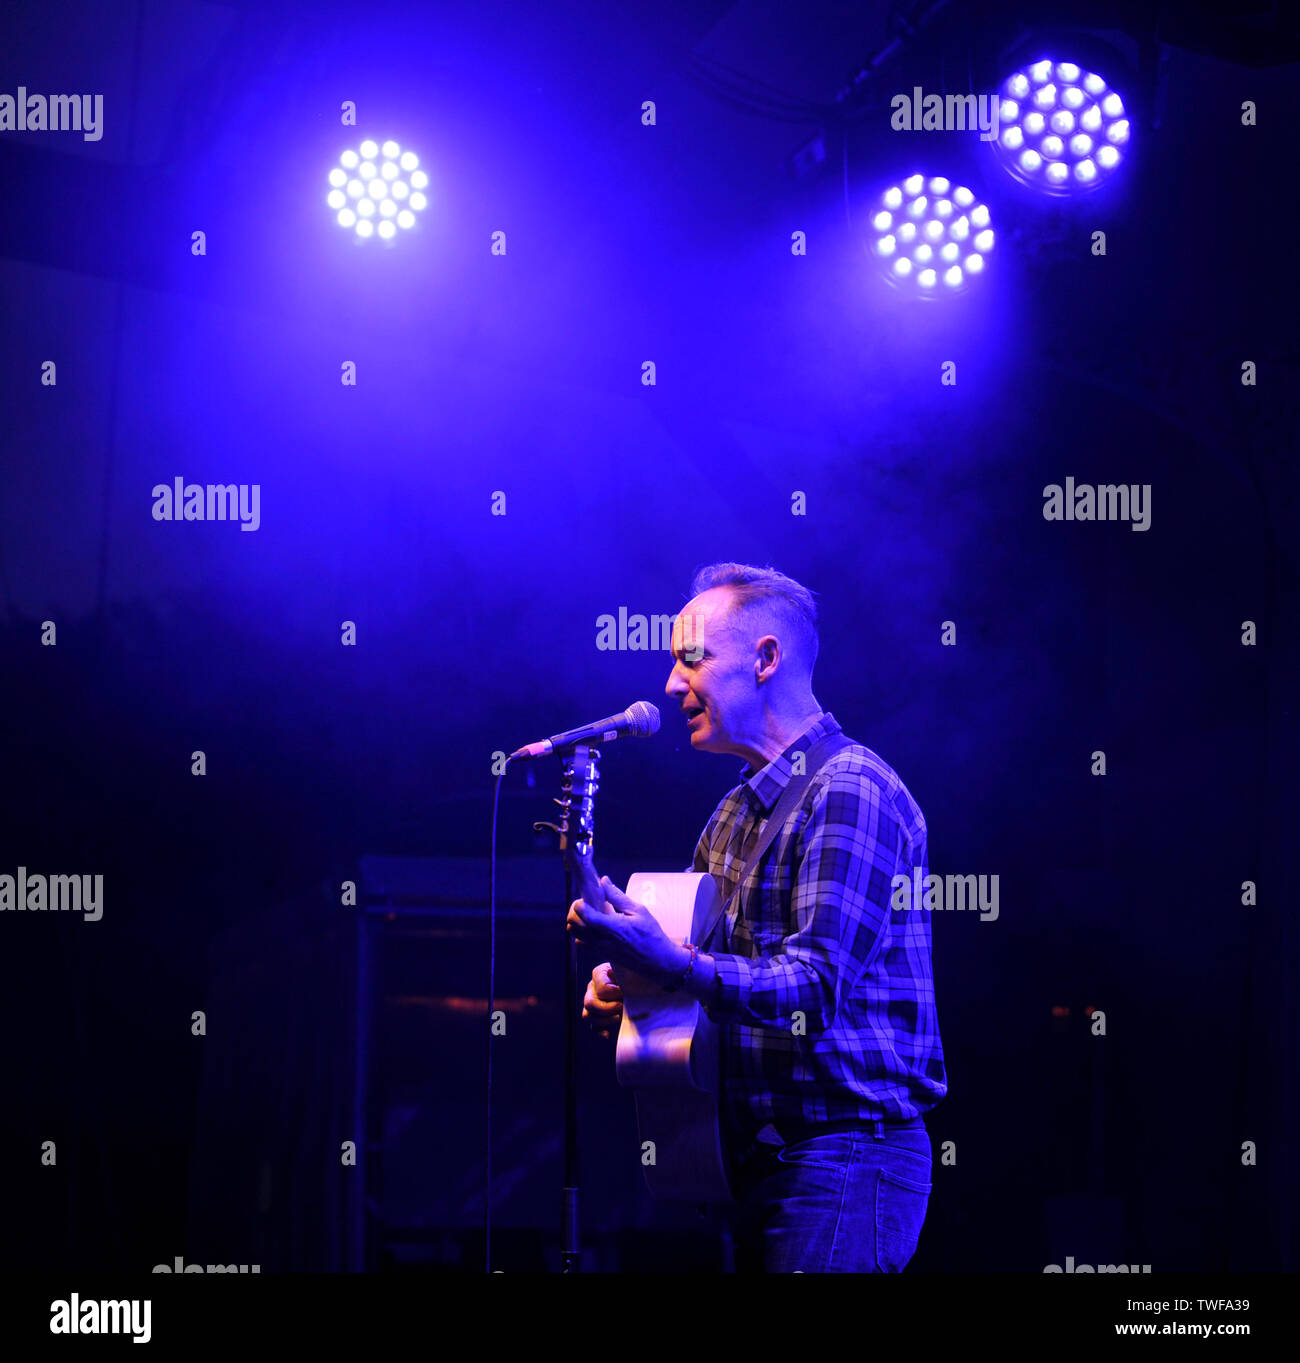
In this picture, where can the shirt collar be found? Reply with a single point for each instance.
(765, 784)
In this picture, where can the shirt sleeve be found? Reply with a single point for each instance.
(845, 857)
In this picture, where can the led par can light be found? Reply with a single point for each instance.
(930, 236)
(1061, 128)
(376, 190)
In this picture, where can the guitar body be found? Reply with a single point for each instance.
(668, 1052)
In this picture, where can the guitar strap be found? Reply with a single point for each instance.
(818, 755)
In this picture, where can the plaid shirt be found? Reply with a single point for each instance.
(825, 994)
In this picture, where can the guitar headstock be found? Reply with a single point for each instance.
(577, 822)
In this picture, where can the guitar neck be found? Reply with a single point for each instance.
(586, 881)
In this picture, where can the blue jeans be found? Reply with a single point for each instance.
(847, 1202)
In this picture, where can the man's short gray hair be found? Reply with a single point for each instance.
(751, 586)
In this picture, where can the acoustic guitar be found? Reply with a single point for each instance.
(668, 1049)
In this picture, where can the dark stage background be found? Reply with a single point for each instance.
(490, 383)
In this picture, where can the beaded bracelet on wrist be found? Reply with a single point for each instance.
(685, 975)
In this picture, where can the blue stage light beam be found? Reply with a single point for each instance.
(931, 237)
(377, 190)
(1062, 130)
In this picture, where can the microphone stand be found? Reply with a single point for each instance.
(571, 1242)
(572, 828)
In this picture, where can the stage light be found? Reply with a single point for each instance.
(930, 236)
(369, 186)
(1062, 129)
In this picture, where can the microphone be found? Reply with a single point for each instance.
(639, 720)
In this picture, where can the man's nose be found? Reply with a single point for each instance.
(676, 682)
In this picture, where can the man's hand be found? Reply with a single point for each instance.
(628, 933)
(602, 1005)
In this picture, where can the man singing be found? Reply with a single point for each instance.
(823, 992)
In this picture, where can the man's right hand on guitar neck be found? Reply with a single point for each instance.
(602, 1005)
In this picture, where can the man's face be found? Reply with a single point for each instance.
(713, 676)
